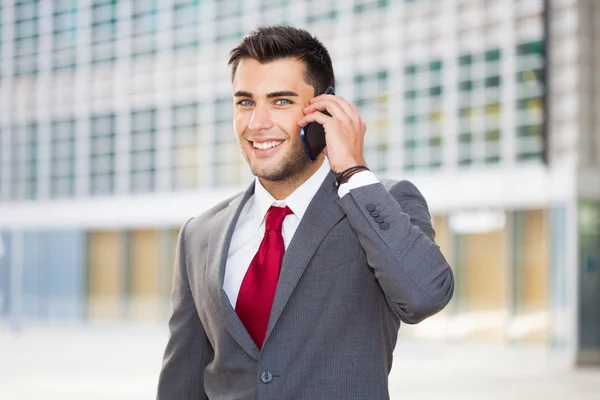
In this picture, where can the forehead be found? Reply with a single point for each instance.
(254, 77)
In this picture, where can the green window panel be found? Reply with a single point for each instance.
(435, 91)
(185, 24)
(26, 37)
(465, 137)
(62, 158)
(411, 69)
(436, 65)
(529, 131)
(102, 154)
(229, 20)
(534, 47)
(493, 135)
(373, 102)
(144, 23)
(103, 31)
(186, 142)
(493, 55)
(24, 161)
(143, 151)
(64, 35)
(367, 5)
(492, 81)
(492, 159)
(466, 59)
(324, 16)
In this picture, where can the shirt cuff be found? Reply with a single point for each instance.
(362, 178)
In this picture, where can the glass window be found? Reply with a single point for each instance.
(423, 116)
(62, 159)
(185, 24)
(230, 20)
(102, 155)
(266, 5)
(64, 36)
(24, 174)
(104, 31)
(1, 19)
(366, 5)
(230, 166)
(321, 10)
(530, 81)
(143, 150)
(372, 99)
(144, 24)
(479, 129)
(186, 144)
(26, 37)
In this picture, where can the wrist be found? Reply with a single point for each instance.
(345, 175)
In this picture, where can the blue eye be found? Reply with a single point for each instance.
(245, 103)
(283, 102)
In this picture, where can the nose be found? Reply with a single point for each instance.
(261, 119)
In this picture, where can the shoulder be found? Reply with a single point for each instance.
(202, 222)
(402, 188)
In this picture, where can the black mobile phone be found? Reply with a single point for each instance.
(313, 135)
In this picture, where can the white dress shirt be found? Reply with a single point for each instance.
(250, 227)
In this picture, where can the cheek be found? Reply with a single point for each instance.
(240, 124)
(288, 122)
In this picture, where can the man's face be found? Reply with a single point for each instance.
(268, 103)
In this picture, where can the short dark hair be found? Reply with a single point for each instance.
(271, 43)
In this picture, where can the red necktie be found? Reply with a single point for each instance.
(255, 299)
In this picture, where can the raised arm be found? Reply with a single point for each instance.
(407, 263)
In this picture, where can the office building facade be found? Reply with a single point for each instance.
(116, 127)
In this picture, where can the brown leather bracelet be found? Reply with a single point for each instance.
(345, 175)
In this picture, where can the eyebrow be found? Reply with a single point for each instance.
(283, 93)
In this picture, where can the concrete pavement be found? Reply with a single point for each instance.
(75, 362)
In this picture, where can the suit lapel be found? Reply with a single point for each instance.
(221, 233)
(322, 214)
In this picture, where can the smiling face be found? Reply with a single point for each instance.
(268, 103)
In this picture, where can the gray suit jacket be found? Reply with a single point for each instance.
(355, 268)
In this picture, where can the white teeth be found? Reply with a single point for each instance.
(266, 145)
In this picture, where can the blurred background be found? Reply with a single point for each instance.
(116, 127)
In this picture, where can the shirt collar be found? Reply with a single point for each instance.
(297, 201)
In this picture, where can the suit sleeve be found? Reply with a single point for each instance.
(394, 228)
(188, 349)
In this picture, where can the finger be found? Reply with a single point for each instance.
(349, 109)
(315, 117)
(330, 106)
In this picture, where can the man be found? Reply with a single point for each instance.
(321, 321)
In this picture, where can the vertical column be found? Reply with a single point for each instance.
(450, 85)
(164, 97)
(508, 95)
(395, 60)
(82, 109)
(122, 98)
(209, 65)
(6, 106)
(43, 113)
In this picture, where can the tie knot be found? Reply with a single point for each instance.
(275, 217)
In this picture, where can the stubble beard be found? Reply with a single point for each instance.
(291, 169)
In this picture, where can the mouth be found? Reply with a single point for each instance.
(266, 145)
(266, 148)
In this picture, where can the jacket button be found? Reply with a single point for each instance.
(375, 213)
(379, 220)
(370, 207)
(384, 226)
(266, 377)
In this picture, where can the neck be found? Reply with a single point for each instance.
(280, 190)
